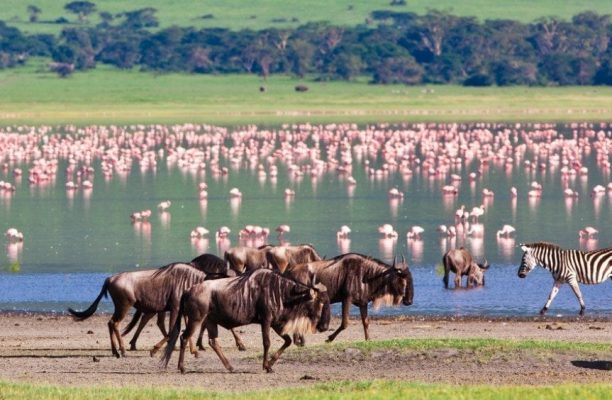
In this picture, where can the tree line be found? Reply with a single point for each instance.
(389, 47)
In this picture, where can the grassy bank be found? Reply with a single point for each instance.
(238, 14)
(110, 96)
(338, 390)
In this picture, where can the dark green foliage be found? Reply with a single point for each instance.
(400, 47)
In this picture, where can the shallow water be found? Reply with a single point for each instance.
(74, 240)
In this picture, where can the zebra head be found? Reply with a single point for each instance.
(528, 262)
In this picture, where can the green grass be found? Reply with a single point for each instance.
(239, 14)
(337, 390)
(106, 95)
(497, 345)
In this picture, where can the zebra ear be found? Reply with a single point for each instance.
(523, 247)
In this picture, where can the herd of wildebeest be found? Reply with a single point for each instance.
(288, 289)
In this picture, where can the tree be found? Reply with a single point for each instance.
(34, 13)
(81, 8)
(398, 70)
(141, 18)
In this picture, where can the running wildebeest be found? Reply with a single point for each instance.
(214, 268)
(357, 279)
(262, 297)
(461, 263)
(149, 291)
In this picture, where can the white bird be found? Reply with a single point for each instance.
(199, 232)
(222, 232)
(13, 235)
(344, 232)
(588, 232)
(289, 193)
(387, 230)
(506, 231)
(394, 193)
(415, 232)
(164, 205)
(235, 193)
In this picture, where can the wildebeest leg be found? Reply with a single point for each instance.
(298, 339)
(161, 319)
(265, 337)
(363, 310)
(278, 353)
(190, 328)
(143, 322)
(200, 337)
(213, 333)
(346, 305)
(113, 326)
(239, 344)
(457, 280)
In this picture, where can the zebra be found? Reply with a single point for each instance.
(567, 266)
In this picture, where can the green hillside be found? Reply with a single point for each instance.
(258, 14)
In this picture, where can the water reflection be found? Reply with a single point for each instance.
(344, 245)
(386, 247)
(200, 245)
(506, 247)
(13, 251)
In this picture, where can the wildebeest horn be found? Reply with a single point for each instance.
(403, 259)
(394, 260)
(314, 280)
(320, 287)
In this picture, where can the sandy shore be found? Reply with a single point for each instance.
(54, 349)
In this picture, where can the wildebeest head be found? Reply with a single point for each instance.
(310, 309)
(398, 285)
(528, 261)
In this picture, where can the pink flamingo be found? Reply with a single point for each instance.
(343, 233)
(588, 232)
(387, 231)
(415, 232)
(506, 231)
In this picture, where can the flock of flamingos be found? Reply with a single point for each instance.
(451, 154)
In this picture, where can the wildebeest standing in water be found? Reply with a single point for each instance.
(149, 291)
(214, 268)
(357, 279)
(461, 263)
(262, 297)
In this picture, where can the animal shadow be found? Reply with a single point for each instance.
(598, 364)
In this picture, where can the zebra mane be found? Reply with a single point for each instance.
(545, 245)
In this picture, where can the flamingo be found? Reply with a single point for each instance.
(415, 232)
(569, 193)
(199, 232)
(223, 232)
(164, 206)
(394, 193)
(477, 212)
(513, 192)
(588, 232)
(235, 193)
(282, 229)
(343, 233)
(506, 231)
(387, 231)
(13, 235)
(289, 193)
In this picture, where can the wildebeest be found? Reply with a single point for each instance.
(357, 279)
(461, 263)
(242, 259)
(149, 291)
(215, 268)
(262, 297)
(281, 257)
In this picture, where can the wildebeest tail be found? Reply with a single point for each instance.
(174, 333)
(82, 315)
(132, 323)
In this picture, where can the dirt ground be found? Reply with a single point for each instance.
(54, 349)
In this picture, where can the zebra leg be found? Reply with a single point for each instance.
(551, 296)
(574, 284)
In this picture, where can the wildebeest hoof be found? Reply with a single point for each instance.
(133, 347)
(269, 370)
(196, 354)
(241, 347)
(182, 369)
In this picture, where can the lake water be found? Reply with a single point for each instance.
(74, 239)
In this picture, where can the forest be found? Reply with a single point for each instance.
(389, 47)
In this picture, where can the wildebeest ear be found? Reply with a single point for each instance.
(320, 287)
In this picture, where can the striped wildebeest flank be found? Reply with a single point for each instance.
(461, 263)
(214, 268)
(281, 257)
(357, 279)
(567, 266)
(262, 296)
(243, 259)
(149, 291)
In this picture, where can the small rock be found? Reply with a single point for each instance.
(554, 327)
(90, 332)
(96, 359)
(17, 324)
(309, 378)
(351, 351)
(596, 328)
